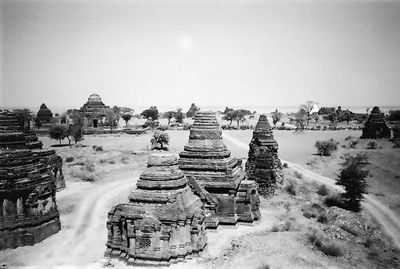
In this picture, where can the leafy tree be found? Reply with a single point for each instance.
(394, 115)
(38, 123)
(346, 116)
(276, 116)
(352, 178)
(24, 117)
(126, 118)
(192, 110)
(58, 132)
(326, 110)
(169, 115)
(229, 116)
(112, 117)
(179, 115)
(227, 110)
(333, 117)
(151, 112)
(76, 131)
(307, 110)
(238, 115)
(300, 118)
(161, 138)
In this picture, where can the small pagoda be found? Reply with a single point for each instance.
(375, 126)
(163, 221)
(27, 190)
(44, 114)
(217, 177)
(263, 164)
(94, 111)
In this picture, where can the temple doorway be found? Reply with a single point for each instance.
(95, 123)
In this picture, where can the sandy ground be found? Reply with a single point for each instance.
(84, 205)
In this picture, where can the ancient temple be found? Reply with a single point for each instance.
(28, 209)
(44, 114)
(375, 126)
(163, 221)
(94, 111)
(217, 177)
(9, 124)
(263, 165)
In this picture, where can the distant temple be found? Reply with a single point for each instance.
(375, 126)
(94, 111)
(44, 114)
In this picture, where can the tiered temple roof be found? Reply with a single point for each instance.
(375, 126)
(163, 221)
(27, 191)
(217, 177)
(263, 164)
(44, 114)
(93, 105)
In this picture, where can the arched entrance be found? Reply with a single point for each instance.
(95, 123)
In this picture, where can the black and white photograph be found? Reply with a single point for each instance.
(201, 134)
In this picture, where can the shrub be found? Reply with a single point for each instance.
(69, 159)
(298, 175)
(58, 132)
(396, 131)
(372, 145)
(331, 249)
(291, 188)
(352, 178)
(97, 148)
(159, 139)
(322, 218)
(353, 143)
(312, 211)
(315, 238)
(325, 148)
(334, 200)
(285, 165)
(322, 190)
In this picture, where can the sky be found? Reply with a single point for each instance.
(213, 53)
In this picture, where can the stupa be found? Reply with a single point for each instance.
(44, 114)
(9, 124)
(94, 111)
(163, 221)
(375, 126)
(217, 177)
(263, 164)
(27, 191)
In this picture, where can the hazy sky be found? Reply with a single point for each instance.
(173, 53)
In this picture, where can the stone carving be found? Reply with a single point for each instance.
(217, 177)
(28, 209)
(375, 126)
(163, 221)
(44, 114)
(263, 165)
(94, 111)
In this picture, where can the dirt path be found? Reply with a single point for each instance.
(389, 221)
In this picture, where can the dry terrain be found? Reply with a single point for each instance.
(296, 230)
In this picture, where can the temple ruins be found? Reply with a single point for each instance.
(375, 126)
(217, 177)
(28, 212)
(94, 111)
(263, 165)
(163, 221)
(44, 114)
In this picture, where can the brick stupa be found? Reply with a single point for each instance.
(9, 124)
(263, 164)
(217, 177)
(44, 114)
(28, 212)
(163, 221)
(375, 126)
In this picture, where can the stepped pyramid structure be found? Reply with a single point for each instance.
(217, 177)
(44, 114)
(263, 165)
(163, 221)
(375, 126)
(94, 111)
(27, 190)
(9, 124)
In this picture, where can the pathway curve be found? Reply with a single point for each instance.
(389, 221)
